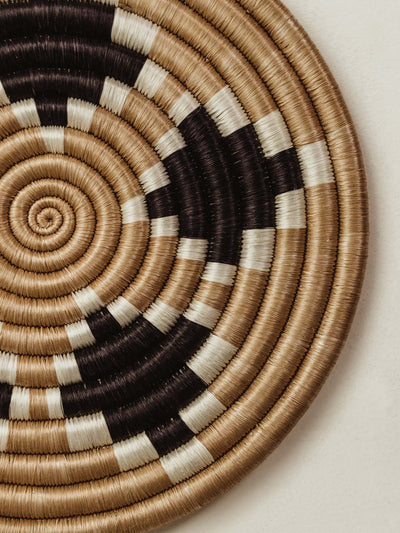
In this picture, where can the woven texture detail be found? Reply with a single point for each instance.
(183, 217)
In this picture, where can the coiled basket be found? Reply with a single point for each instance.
(183, 231)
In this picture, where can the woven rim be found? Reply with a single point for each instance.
(184, 230)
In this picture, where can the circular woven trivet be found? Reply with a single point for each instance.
(183, 239)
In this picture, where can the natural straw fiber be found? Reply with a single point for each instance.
(183, 217)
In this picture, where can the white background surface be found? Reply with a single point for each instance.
(339, 469)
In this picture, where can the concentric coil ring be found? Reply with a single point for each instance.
(183, 239)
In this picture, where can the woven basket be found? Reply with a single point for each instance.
(183, 239)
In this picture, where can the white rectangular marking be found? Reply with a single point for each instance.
(134, 210)
(192, 249)
(133, 31)
(108, 2)
(169, 143)
(4, 100)
(273, 134)
(8, 368)
(219, 273)
(80, 114)
(290, 210)
(4, 426)
(162, 316)
(54, 403)
(87, 300)
(165, 226)
(186, 460)
(79, 335)
(87, 432)
(123, 311)
(211, 358)
(226, 111)
(19, 404)
(67, 369)
(316, 168)
(154, 178)
(53, 137)
(183, 107)
(257, 249)
(114, 95)
(150, 78)
(202, 314)
(202, 411)
(26, 113)
(134, 452)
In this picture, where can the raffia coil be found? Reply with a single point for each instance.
(183, 216)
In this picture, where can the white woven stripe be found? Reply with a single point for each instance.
(162, 316)
(202, 411)
(67, 369)
(108, 2)
(87, 300)
(211, 358)
(192, 249)
(316, 167)
(165, 226)
(186, 460)
(53, 137)
(54, 403)
(226, 111)
(169, 143)
(150, 78)
(182, 107)
(273, 134)
(134, 210)
(202, 314)
(79, 334)
(8, 368)
(19, 404)
(123, 311)
(114, 95)
(87, 432)
(134, 452)
(219, 273)
(290, 210)
(257, 249)
(4, 426)
(4, 100)
(26, 113)
(154, 178)
(133, 31)
(80, 114)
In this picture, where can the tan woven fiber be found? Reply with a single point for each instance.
(184, 227)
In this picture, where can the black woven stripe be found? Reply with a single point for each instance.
(156, 409)
(5, 399)
(52, 112)
(204, 143)
(170, 436)
(53, 83)
(133, 343)
(193, 217)
(56, 17)
(285, 172)
(161, 202)
(103, 325)
(249, 169)
(201, 134)
(168, 356)
(224, 252)
(106, 59)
